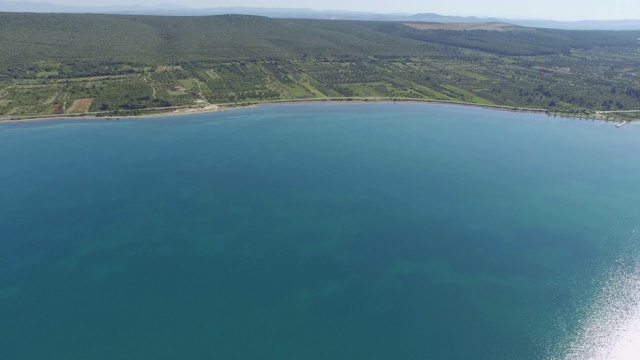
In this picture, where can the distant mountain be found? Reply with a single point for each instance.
(301, 13)
(552, 24)
(628, 24)
(430, 17)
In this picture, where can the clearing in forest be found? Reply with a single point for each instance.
(80, 106)
(494, 26)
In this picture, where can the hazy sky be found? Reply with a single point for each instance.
(541, 9)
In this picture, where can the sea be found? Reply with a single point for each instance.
(321, 231)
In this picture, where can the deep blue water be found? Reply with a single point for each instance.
(359, 231)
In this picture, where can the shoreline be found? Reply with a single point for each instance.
(173, 111)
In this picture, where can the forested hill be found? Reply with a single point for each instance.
(162, 40)
(75, 38)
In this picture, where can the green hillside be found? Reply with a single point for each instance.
(159, 39)
(73, 38)
(48, 61)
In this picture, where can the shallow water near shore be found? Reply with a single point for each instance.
(318, 231)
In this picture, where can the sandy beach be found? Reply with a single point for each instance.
(230, 106)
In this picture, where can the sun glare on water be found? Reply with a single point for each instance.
(612, 330)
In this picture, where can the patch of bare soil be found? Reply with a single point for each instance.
(80, 106)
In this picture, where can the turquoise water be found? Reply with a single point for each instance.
(347, 231)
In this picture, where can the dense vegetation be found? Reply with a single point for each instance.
(134, 62)
(517, 40)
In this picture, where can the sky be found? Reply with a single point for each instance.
(526, 9)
